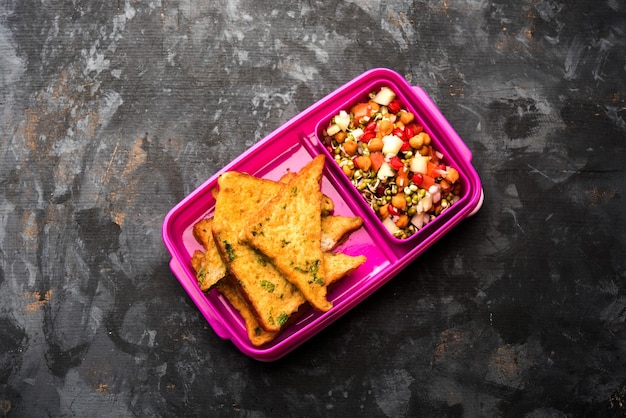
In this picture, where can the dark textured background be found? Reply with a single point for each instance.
(113, 112)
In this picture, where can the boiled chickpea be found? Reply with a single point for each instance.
(403, 221)
(399, 201)
(420, 139)
(350, 147)
(385, 127)
(364, 162)
(425, 150)
(384, 211)
(375, 144)
(406, 117)
(340, 137)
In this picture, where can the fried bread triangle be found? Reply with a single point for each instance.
(288, 231)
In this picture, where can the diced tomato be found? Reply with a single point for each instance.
(435, 170)
(417, 128)
(394, 107)
(406, 146)
(371, 126)
(367, 136)
(361, 111)
(408, 132)
(393, 211)
(399, 133)
(377, 160)
(418, 179)
(396, 163)
(428, 181)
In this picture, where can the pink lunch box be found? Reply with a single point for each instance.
(288, 149)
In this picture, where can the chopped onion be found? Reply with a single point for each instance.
(357, 133)
(391, 144)
(419, 220)
(390, 225)
(342, 120)
(419, 164)
(332, 129)
(384, 96)
(427, 202)
(385, 171)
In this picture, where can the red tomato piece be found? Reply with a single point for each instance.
(408, 132)
(361, 111)
(430, 167)
(396, 163)
(416, 128)
(377, 160)
(428, 181)
(394, 107)
(399, 133)
(418, 179)
(393, 211)
(367, 136)
(371, 126)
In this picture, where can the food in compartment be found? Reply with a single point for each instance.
(299, 232)
(393, 162)
(288, 230)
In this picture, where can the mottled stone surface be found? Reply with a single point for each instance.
(112, 112)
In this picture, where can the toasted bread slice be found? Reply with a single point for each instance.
(197, 259)
(338, 266)
(208, 265)
(288, 231)
(202, 232)
(210, 268)
(272, 298)
(287, 177)
(328, 206)
(257, 335)
(336, 228)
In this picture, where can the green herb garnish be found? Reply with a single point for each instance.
(230, 251)
(269, 286)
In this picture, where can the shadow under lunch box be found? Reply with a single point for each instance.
(289, 148)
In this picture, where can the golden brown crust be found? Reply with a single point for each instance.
(202, 232)
(257, 335)
(248, 278)
(208, 265)
(271, 296)
(339, 265)
(336, 228)
(288, 231)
